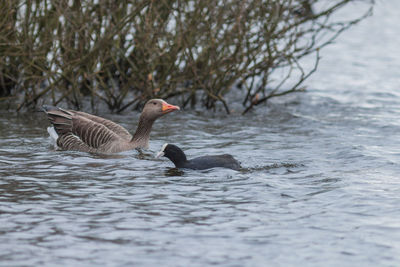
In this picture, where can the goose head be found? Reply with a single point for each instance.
(156, 108)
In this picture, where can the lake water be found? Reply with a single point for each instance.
(320, 184)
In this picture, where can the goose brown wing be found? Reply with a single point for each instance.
(92, 133)
(114, 127)
(60, 118)
(70, 141)
(78, 132)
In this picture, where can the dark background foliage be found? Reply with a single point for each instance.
(125, 52)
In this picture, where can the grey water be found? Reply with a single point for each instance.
(320, 184)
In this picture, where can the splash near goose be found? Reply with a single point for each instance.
(80, 131)
(178, 157)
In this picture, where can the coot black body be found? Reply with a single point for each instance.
(178, 157)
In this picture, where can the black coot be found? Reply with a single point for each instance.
(178, 157)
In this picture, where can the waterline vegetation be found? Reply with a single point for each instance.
(123, 53)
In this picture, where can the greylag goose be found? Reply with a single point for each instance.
(80, 131)
(178, 157)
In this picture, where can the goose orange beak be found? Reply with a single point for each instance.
(167, 108)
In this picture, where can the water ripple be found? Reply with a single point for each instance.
(319, 184)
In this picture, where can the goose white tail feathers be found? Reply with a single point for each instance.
(53, 136)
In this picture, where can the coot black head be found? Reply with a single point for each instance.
(178, 157)
(174, 153)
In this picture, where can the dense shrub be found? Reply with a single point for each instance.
(124, 52)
